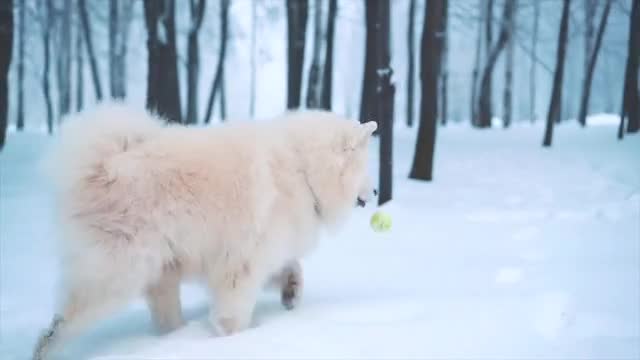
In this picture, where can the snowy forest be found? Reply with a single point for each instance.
(507, 151)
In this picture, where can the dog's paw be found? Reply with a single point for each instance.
(291, 293)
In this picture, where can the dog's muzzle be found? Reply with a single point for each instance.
(362, 202)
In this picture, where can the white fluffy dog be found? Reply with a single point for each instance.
(143, 206)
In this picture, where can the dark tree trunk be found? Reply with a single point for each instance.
(473, 113)
(297, 11)
(593, 58)
(314, 83)
(532, 71)
(444, 70)
(86, 26)
(630, 103)
(223, 98)
(368, 78)
(46, 12)
(411, 65)
(196, 8)
(218, 77)
(252, 86)
(79, 69)
(484, 100)
(163, 89)
(63, 60)
(485, 106)
(119, 19)
(589, 30)
(6, 50)
(21, 31)
(430, 53)
(327, 75)
(556, 93)
(382, 101)
(508, 72)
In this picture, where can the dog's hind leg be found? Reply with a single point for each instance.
(291, 286)
(84, 304)
(163, 298)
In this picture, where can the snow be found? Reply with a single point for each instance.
(514, 251)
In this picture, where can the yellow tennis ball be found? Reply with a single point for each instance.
(381, 222)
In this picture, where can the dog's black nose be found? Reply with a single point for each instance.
(361, 202)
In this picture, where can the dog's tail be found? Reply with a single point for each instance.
(94, 141)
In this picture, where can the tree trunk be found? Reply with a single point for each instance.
(196, 8)
(382, 101)
(532, 71)
(630, 103)
(486, 87)
(556, 93)
(297, 11)
(430, 53)
(593, 58)
(95, 72)
(79, 69)
(476, 72)
(163, 88)
(223, 98)
(252, 86)
(314, 90)
(327, 74)
(411, 65)
(6, 50)
(217, 80)
(484, 100)
(119, 20)
(508, 70)
(368, 78)
(113, 38)
(47, 13)
(589, 18)
(444, 70)
(21, 31)
(63, 60)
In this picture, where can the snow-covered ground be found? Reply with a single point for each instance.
(513, 252)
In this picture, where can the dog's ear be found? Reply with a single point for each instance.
(359, 137)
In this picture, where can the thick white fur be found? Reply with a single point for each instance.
(143, 206)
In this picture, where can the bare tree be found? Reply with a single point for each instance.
(593, 58)
(532, 71)
(297, 11)
(79, 68)
(21, 31)
(6, 50)
(411, 64)
(508, 68)
(218, 77)
(163, 92)
(476, 70)
(327, 74)
(314, 83)
(86, 26)
(252, 86)
(119, 20)
(444, 66)
(46, 11)
(590, 7)
(383, 95)
(484, 99)
(196, 10)
(631, 98)
(368, 78)
(430, 53)
(556, 93)
(63, 58)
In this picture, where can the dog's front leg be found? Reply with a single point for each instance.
(290, 282)
(236, 294)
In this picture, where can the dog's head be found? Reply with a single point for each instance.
(335, 153)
